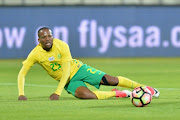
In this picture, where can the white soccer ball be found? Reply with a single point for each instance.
(141, 97)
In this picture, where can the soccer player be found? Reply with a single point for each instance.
(55, 57)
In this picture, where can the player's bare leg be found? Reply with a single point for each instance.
(109, 80)
(114, 81)
(119, 81)
(125, 82)
(84, 93)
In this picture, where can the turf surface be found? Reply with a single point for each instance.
(161, 73)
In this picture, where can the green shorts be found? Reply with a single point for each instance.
(84, 74)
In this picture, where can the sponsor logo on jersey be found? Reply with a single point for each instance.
(51, 58)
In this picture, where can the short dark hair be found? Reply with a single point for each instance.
(42, 28)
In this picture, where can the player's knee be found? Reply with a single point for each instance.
(109, 80)
(85, 95)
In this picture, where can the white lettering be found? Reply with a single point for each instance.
(105, 37)
(58, 31)
(136, 39)
(1, 38)
(83, 33)
(93, 31)
(153, 39)
(121, 40)
(14, 36)
(174, 36)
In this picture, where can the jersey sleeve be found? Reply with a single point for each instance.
(66, 54)
(27, 64)
(21, 79)
(66, 73)
(31, 60)
(66, 58)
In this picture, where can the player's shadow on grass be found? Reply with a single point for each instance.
(110, 106)
(163, 103)
(46, 98)
(130, 105)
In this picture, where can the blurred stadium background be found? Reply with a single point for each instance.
(93, 28)
(88, 2)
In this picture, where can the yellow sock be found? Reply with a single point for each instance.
(125, 82)
(104, 94)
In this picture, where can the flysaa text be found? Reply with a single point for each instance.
(97, 36)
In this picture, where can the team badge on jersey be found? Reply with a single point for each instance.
(59, 56)
(51, 58)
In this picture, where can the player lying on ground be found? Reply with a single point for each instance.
(55, 57)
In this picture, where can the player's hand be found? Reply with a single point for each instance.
(22, 97)
(54, 97)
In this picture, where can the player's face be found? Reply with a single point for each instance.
(46, 39)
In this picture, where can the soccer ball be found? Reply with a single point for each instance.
(141, 97)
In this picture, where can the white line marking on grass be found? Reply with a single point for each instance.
(40, 85)
(6, 84)
(169, 88)
(33, 85)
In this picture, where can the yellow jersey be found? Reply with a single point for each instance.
(51, 60)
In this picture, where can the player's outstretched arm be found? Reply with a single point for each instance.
(21, 80)
(65, 76)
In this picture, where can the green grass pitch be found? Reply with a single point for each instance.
(161, 73)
